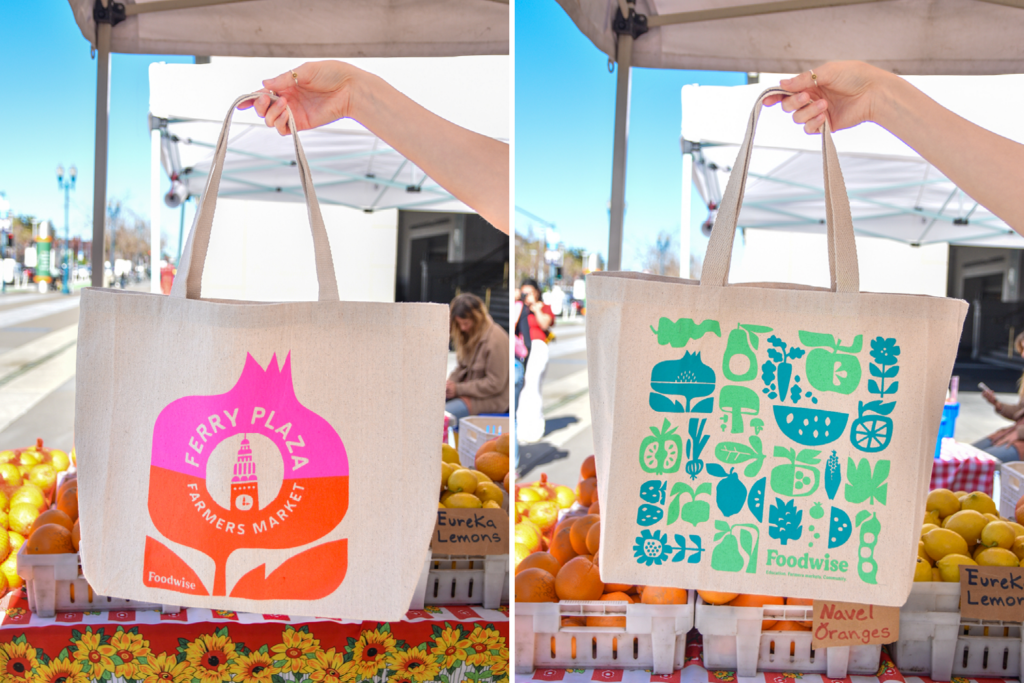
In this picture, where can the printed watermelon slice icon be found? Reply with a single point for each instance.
(839, 528)
(810, 426)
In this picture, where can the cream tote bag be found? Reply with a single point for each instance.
(262, 457)
(766, 438)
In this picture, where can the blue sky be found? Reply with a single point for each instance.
(49, 117)
(565, 115)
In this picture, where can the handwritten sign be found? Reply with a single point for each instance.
(462, 531)
(992, 593)
(847, 623)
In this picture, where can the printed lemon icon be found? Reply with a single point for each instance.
(978, 501)
(943, 502)
(968, 524)
(998, 535)
(922, 571)
(949, 566)
(939, 543)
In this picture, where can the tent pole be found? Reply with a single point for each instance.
(625, 58)
(684, 220)
(154, 211)
(99, 196)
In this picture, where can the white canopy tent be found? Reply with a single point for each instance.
(906, 36)
(268, 28)
(351, 167)
(894, 193)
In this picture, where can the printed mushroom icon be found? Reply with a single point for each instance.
(737, 402)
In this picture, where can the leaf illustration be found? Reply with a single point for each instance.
(875, 370)
(756, 329)
(795, 352)
(716, 470)
(703, 488)
(808, 456)
(876, 407)
(746, 541)
(680, 487)
(721, 525)
(753, 468)
(891, 372)
(873, 387)
(673, 511)
(892, 388)
(861, 516)
(732, 453)
(775, 355)
(863, 486)
(785, 521)
(817, 339)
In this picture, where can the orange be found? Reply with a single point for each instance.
(52, 517)
(579, 579)
(49, 539)
(578, 533)
(67, 484)
(618, 588)
(589, 468)
(535, 585)
(716, 598)
(750, 600)
(68, 503)
(594, 509)
(501, 445)
(800, 601)
(618, 622)
(586, 491)
(545, 561)
(574, 621)
(561, 546)
(76, 535)
(487, 446)
(790, 626)
(493, 464)
(594, 538)
(657, 595)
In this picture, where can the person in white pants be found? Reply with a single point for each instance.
(530, 424)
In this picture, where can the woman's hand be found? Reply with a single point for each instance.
(449, 390)
(1007, 440)
(846, 92)
(322, 93)
(990, 396)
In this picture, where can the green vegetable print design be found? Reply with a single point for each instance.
(731, 493)
(785, 521)
(885, 353)
(732, 453)
(695, 446)
(661, 453)
(800, 477)
(688, 377)
(839, 528)
(863, 485)
(652, 547)
(871, 432)
(832, 368)
(695, 511)
(679, 333)
(870, 528)
(736, 402)
(832, 476)
(777, 372)
(726, 557)
(741, 345)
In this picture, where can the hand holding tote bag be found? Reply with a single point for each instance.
(264, 457)
(765, 438)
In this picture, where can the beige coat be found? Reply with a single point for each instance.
(484, 381)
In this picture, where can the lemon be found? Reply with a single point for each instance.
(491, 504)
(8, 456)
(21, 517)
(463, 500)
(10, 474)
(922, 571)
(440, 506)
(943, 501)
(462, 481)
(30, 457)
(5, 543)
(529, 495)
(446, 471)
(978, 501)
(1018, 547)
(941, 542)
(932, 518)
(445, 496)
(997, 535)
(29, 494)
(16, 540)
(997, 557)
(936, 576)
(4, 524)
(1018, 530)
(9, 568)
(490, 491)
(60, 460)
(565, 497)
(949, 566)
(449, 454)
(481, 478)
(967, 523)
(928, 527)
(922, 554)
(4, 502)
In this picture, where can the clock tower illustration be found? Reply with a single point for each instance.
(244, 494)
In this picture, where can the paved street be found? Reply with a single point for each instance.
(568, 439)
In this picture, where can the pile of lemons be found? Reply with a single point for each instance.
(462, 487)
(963, 528)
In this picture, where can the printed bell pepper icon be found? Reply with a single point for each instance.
(832, 368)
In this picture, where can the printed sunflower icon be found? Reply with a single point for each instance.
(331, 667)
(17, 660)
(93, 652)
(255, 667)
(450, 646)
(211, 655)
(165, 668)
(651, 547)
(132, 649)
(413, 665)
(296, 649)
(369, 654)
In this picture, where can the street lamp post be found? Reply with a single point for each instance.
(66, 184)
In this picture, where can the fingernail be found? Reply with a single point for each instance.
(822, 104)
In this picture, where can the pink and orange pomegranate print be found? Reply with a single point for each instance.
(252, 468)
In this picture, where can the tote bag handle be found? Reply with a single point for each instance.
(189, 280)
(842, 249)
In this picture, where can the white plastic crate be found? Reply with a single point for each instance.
(935, 641)
(55, 584)
(463, 580)
(654, 636)
(733, 641)
(476, 430)
(1011, 487)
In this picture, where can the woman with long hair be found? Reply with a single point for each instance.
(479, 384)
(530, 422)
(1008, 443)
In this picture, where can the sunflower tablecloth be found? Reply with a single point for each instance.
(694, 672)
(451, 645)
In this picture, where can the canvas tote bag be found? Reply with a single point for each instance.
(766, 438)
(263, 457)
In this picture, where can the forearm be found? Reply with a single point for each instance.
(988, 167)
(472, 167)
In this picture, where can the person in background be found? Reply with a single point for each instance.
(1008, 443)
(522, 354)
(479, 383)
(530, 412)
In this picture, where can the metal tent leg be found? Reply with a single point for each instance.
(625, 58)
(99, 197)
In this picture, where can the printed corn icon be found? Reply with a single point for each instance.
(832, 477)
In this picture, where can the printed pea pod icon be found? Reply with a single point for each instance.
(831, 366)
(870, 527)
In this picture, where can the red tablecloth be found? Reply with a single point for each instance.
(195, 645)
(962, 467)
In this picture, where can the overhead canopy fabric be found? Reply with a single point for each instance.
(904, 36)
(894, 193)
(351, 166)
(308, 28)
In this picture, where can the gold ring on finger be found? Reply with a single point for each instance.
(814, 76)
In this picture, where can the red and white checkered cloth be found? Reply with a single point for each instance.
(962, 467)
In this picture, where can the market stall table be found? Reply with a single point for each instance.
(962, 467)
(453, 643)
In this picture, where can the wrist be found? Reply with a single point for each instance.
(364, 96)
(890, 100)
